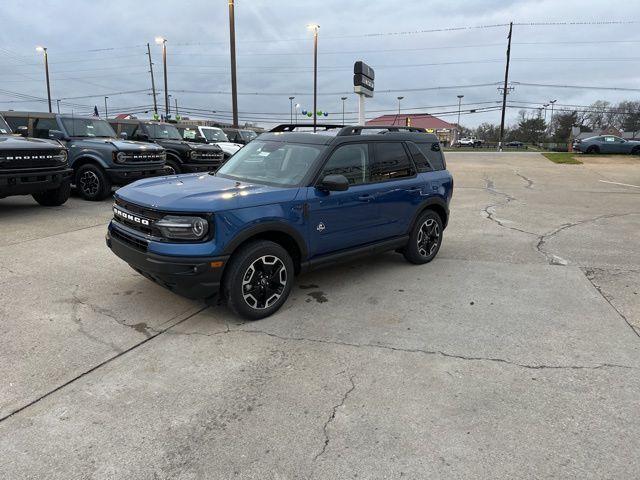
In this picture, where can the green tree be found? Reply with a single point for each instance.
(530, 130)
(561, 126)
(488, 132)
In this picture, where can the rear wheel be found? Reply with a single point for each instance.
(425, 239)
(635, 151)
(258, 279)
(92, 183)
(55, 197)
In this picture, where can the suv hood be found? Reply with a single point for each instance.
(182, 143)
(204, 193)
(11, 142)
(125, 145)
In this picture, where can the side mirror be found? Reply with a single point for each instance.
(22, 131)
(334, 183)
(56, 134)
(123, 135)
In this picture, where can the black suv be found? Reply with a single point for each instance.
(29, 166)
(182, 156)
(240, 135)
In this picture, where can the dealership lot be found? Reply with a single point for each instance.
(514, 354)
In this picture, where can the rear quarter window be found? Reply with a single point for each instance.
(432, 151)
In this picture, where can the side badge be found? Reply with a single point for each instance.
(320, 227)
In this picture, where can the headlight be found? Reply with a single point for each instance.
(119, 157)
(62, 156)
(183, 228)
(192, 153)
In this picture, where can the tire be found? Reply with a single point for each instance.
(593, 149)
(55, 197)
(92, 183)
(173, 165)
(635, 151)
(421, 249)
(258, 279)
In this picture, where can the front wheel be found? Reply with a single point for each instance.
(592, 150)
(92, 182)
(425, 239)
(55, 197)
(258, 279)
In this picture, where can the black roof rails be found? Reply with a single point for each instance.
(290, 127)
(357, 129)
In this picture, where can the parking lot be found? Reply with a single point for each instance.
(514, 354)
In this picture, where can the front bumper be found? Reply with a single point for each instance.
(28, 181)
(123, 175)
(192, 277)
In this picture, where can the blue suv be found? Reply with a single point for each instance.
(288, 202)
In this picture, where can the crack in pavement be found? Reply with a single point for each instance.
(332, 417)
(591, 276)
(411, 350)
(529, 184)
(101, 364)
(81, 328)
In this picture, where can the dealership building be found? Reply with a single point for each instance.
(445, 131)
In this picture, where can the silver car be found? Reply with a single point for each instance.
(607, 144)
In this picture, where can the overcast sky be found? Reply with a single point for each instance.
(98, 48)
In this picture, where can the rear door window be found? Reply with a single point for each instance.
(419, 158)
(390, 162)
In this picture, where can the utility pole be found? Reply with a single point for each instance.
(46, 69)
(291, 109)
(315, 28)
(106, 111)
(505, 89)
(552, 102)
(460, 97)
(153, 83)
(343, 100)
(176, 102)
(232, 45)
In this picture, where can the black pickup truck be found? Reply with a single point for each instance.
(30, 166)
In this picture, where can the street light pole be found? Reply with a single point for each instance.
(232, 45)
(163, 41)
(297, 106)
(291, 109)
(460, 97)
(46, 69)
(106, 111)
(153, 82)
(315, 28)
(343, 100)
(399, 99)
(552, 102)
(176, 102)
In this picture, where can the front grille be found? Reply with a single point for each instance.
(137, 218)
(136, 243)
(138, 157)
(13, 159)
(214, 157)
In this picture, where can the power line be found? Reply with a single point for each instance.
(585, 87)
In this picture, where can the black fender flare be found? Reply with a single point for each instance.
(267, 227)
(426, 204)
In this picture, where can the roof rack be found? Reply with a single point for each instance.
(290, 127)
(357, 129)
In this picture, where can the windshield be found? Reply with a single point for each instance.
(4, 127)
(87, 127)
(278, 163)
(248, 134)
(214, 135)
(161, 130)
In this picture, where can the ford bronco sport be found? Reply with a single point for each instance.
(287, 202)
(99, 159)
(29, 166)
(182, 156)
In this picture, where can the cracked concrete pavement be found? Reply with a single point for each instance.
(515, 354)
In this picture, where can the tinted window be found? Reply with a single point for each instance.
(41, 127)
(129, 129)
(15, 122)
(352, 161)
(432, 151)
(419, 158)
(391, 161)
(4, 128)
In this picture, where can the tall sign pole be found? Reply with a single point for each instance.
(232, 46)
(153, 83)
(315, 29)
(505, 88)
(363, 85)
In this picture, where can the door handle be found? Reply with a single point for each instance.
(366, 198)
(415, 190)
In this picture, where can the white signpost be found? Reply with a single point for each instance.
(363, 85)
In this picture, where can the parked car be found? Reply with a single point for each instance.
(285, 203)
(514, 144)
(98, 158)
(182, 156)
(607, 144)
(468, 142)
(29, 166)
(210, 135)
(240, 135)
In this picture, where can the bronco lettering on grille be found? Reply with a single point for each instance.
(132, 218)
